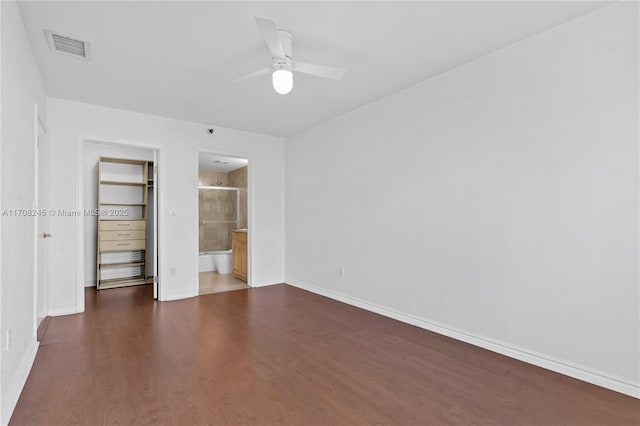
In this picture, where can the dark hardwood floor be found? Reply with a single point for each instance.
(280, 355)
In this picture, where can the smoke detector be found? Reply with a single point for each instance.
(66, 45)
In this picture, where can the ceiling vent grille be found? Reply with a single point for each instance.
(66, 45)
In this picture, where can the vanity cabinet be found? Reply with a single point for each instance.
(239, 252)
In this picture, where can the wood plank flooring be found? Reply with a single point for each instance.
(281, 355)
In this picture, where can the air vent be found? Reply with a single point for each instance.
(66, 45)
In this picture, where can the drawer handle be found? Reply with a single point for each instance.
(123, 235)
(122, 244)
(123, 224)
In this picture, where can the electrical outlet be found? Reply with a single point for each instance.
(341, 272)
(172, 271)
(172, 212)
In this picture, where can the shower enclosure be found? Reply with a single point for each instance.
(219, 216)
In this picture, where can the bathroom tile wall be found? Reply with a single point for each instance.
(211, 178)
(215, 206)
(238, 178)
(220, 205)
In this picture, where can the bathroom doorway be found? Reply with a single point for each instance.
(223, 218)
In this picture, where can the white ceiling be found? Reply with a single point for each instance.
(179, 60)
(217, 163)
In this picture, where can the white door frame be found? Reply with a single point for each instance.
(79, 255)
(196, 210)
(154, 205)
(39, 123)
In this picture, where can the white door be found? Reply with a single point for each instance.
(42, 222)
(155, 227)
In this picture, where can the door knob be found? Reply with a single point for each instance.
(46, 235)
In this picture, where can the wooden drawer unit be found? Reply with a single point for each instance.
(120, 245)
(118, 225)
(133, 234)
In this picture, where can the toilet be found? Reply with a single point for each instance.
(223, 261)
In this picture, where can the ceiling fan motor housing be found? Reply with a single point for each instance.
(282, 64)
(286, 63)
(286, 39)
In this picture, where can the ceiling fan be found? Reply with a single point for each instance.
(283, 66)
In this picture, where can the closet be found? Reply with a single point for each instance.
(125, 230)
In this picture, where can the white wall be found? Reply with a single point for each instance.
(22, 88)
(498, 200)
(178, 141)
(92, 152)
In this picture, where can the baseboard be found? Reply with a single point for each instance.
(547, 362)
(89, 284)
(63, 311)
(12, 395)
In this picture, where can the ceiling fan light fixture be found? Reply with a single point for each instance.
(279, 42)
(282, 81)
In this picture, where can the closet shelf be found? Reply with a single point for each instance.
(204, 222)
(120, 264)
(222, 188)
(122, 282)
(119, 280)
(117, 182)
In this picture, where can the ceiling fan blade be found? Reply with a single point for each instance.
(319, 70)
(270, 33)
(255, 74)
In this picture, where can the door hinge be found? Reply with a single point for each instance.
(155, 169)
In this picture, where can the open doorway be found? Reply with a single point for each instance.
(222, 223)
(119, 203)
